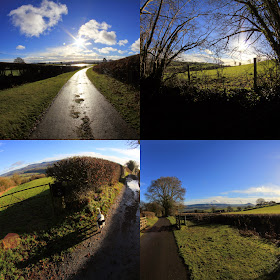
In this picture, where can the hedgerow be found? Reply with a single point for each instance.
(126, 70)
(80, 175)
(264, 225)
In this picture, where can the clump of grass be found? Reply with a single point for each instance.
(125, 98)
(20, 107)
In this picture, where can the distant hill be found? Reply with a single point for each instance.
(217, 205)
(32, 168)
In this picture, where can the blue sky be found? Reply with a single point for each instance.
(16, 154)
(51, 30)
(215, 171)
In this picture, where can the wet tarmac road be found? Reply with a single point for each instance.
(80, 112)
(159, 257)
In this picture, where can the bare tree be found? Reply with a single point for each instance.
(133, 143)
(168, 29)
(166, 191)
(256, 19)
(260, 201)
(132, 165)
(19, 60)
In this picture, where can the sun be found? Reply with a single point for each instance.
(79, 42)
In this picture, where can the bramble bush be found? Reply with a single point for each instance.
(81, 175)
(5, 183)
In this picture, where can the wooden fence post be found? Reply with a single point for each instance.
(189, 74)
(255, 75)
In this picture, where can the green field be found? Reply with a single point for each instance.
(220, 252)
(13, 72)
(264, 210)
(232, 77)
(20, 107)
(45, 237)
(123, 97)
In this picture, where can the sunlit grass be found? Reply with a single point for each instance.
(20, 107)
(123, 97)
(232, 77)
(275, 209)
(150, 223)
(220, 252)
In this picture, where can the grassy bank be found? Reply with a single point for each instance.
(20, 107)
(45, 239)
(220, 252)
(150, 223)
(263, 210)
(123, 97)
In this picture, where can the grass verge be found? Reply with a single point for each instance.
(123, 97)
(20, 107)
(220, 252)
(45, 239)
(150, 223)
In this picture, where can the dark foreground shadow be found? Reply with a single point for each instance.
(27, 216)
(58, 245)
(119, 255)
(199, 114)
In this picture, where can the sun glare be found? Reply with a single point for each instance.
(79, 42)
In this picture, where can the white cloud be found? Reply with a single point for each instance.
(107, 50)
(121, 52)
(88, 44)
(135, 47)
(269, 190)
(20, 47)
(122, 42)
(33, 21)
(118, 159)
(63, 53)
(98, 32)
(208, 51)
(231, 200)
(132, 153)
(250, 195)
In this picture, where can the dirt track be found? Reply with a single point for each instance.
(114, 254)
(159, 258)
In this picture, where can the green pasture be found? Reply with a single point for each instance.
(20, 107)
(232, 77)
(275, 209)
(10, 199)
(13, 72)
(45, 238)
(220, 252)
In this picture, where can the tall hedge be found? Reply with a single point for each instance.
(80, 175)
(126, 70)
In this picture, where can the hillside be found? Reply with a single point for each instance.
(32, 168)
(275, 209)
(217, 205)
